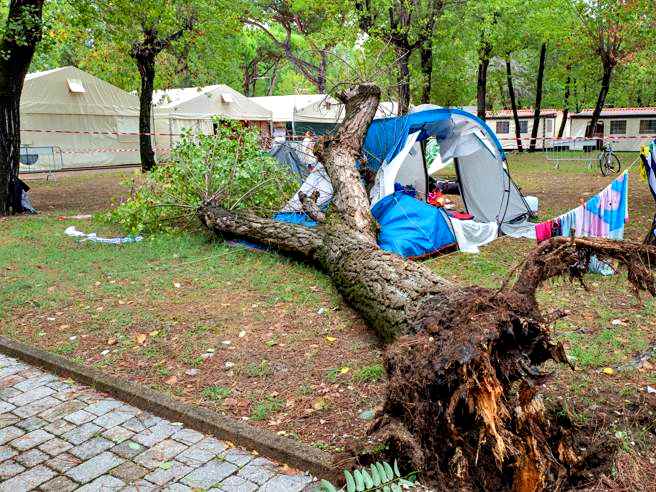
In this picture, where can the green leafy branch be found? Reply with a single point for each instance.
(379, 477)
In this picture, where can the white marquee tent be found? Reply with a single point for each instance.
(71, 119)
(194, 108)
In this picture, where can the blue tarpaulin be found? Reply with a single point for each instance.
(409, 227)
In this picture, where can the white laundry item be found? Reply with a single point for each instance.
(470, 234)
(73, 232)
(388, 172)
(317, 180)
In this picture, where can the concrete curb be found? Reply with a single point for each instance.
(293, 453)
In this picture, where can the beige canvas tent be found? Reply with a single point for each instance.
(194, 108)
(71, 119)
(329, 110)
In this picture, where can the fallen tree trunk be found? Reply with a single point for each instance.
(462, 404)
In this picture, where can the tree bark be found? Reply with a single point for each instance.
(513, 105)
(481, 84)
(601, 98)
(403, 78)
(145, 53)
(563, 122)
(146, 65)
(22, 33)
(538, 98)
(462, 403)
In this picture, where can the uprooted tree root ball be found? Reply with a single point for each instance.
(462, 401)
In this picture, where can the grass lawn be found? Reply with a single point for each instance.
(268, 339)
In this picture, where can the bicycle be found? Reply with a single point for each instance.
(608, 161)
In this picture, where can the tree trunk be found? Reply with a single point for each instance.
(146, 65)
(17, 48)
(601, 99)
(568, 81)
(481, 84)
(403, 78)
(538, 98)
(463, 363)
(513, 105)
(426, 56)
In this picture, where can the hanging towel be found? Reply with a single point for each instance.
(567, 223)
(606, 213)
(543, 231)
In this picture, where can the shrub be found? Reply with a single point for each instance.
(227, 168)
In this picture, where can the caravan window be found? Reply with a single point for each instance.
(503, 127)
(618, 127)
(647, 127)
(523, 126)
(549, 124)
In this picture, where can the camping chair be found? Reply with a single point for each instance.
(648, 172)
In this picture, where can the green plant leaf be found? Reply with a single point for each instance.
(386, 488)
(396, 488)
(375, 476)
(367, 479)
(326, 486)
(359, 480)
(396, 468)
(381, 472)
(388, 470)
(350, 482)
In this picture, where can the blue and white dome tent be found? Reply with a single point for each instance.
(410, 227)
(393, 146)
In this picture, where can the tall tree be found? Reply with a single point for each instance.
(304, 32)
(144, 30)
(538, 97)
(614, 31)
(408, 25)
(513, 104)
(565, 111)
(20, 34)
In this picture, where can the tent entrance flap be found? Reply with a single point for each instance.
(488, 192)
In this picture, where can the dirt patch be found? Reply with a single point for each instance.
(83, 191)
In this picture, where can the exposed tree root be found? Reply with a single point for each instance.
(466, 387)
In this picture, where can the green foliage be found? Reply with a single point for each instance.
(369, 374)
(271, 404)
(227, 168)
(379, 477)
(217, 393)
(259, 370)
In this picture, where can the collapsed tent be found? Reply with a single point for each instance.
(71, 119)
(394, 149)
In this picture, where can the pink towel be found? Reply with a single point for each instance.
(543, 231)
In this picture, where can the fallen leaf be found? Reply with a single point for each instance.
(154, 333)
(112, 341)
(608, 370)
(242, 333)
(344, 370)
(141, 338)
(172, 380)
(134, 445)
(177, 285)
(331, 339)
(167, 465)
(320, 404)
